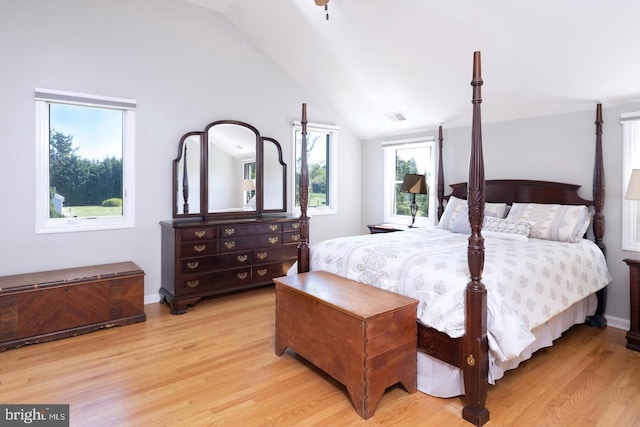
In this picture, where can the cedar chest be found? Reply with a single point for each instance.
(362, 336)
(49, 305)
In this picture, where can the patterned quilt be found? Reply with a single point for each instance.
(527, 282)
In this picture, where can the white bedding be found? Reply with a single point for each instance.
(527, 282)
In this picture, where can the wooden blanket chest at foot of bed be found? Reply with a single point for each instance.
(362, 336)
(49, 305)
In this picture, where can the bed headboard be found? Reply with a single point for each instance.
(530, 191)
(525, 191)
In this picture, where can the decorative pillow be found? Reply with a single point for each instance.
(563, 223)
(455, 207)
(497, 227)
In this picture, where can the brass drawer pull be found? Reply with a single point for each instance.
(229, 231)
(273, 240)
(273, 227)
(295, 226)
(261, 255)
(229, 245)
(193, 264)
(241, 258)
(200, 234)
(193, 283)
(262, 272)
(295, 237)
(199, 248)
(242, 275)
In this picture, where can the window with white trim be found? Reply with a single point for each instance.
(414, 156)
(85, 162)
(630, 160)
(321, 162)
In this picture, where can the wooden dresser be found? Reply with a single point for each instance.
(213, 257)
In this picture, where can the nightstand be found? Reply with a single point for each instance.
(385, 228)
(633, 335)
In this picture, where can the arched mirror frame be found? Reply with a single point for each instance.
(284, 175)
(179, 174)
(204, 176)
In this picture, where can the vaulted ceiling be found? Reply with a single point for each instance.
(373, 58)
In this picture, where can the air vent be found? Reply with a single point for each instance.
(396, 117)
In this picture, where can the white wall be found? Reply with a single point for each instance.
(186, 66)
(554, 148)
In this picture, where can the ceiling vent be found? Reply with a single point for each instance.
(396, 117)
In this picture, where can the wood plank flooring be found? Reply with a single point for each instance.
(215, 366)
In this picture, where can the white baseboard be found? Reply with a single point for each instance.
(151, 299)
(618, 323)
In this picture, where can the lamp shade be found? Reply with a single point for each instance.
(413, 183)
(633, 189)
(248, 185)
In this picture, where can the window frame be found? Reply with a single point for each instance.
(332, 163)
(630, 160)
(46, 225)
(389, 177)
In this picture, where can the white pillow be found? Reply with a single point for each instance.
(562, 223)
(455, 207)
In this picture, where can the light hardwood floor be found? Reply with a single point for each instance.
(215, 366)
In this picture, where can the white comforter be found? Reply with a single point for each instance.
(527, 282)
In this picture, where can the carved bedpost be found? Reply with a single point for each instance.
(598, 319)
(440, 183)
(303, 246)
(598, 185)
(475, 344)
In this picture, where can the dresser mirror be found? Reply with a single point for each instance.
(228, 170)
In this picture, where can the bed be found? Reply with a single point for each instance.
(477, 320)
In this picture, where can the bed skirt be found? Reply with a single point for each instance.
(440, 379)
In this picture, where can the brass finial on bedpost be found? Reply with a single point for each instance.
(475, 344)
(303, 246)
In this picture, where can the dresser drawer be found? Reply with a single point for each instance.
(266, 272)
(217, 282)
(216, 262)
(290, 226)
(249, 242)
(270, 255)
(245, 230)
(198, 234)
(203, 248)
(289, 238)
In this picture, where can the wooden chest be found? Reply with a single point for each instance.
(205, 258)
(48, 305)
(362, 336)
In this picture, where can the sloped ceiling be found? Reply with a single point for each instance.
(376, 57)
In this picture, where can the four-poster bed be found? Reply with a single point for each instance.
(469, 350)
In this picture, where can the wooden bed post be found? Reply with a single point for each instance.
(440, 182)
(598, 320)
(475, 344)
(303, 246)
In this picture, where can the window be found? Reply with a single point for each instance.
(630, 161)
(85, 158)
(321, 152)
(414, 156)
